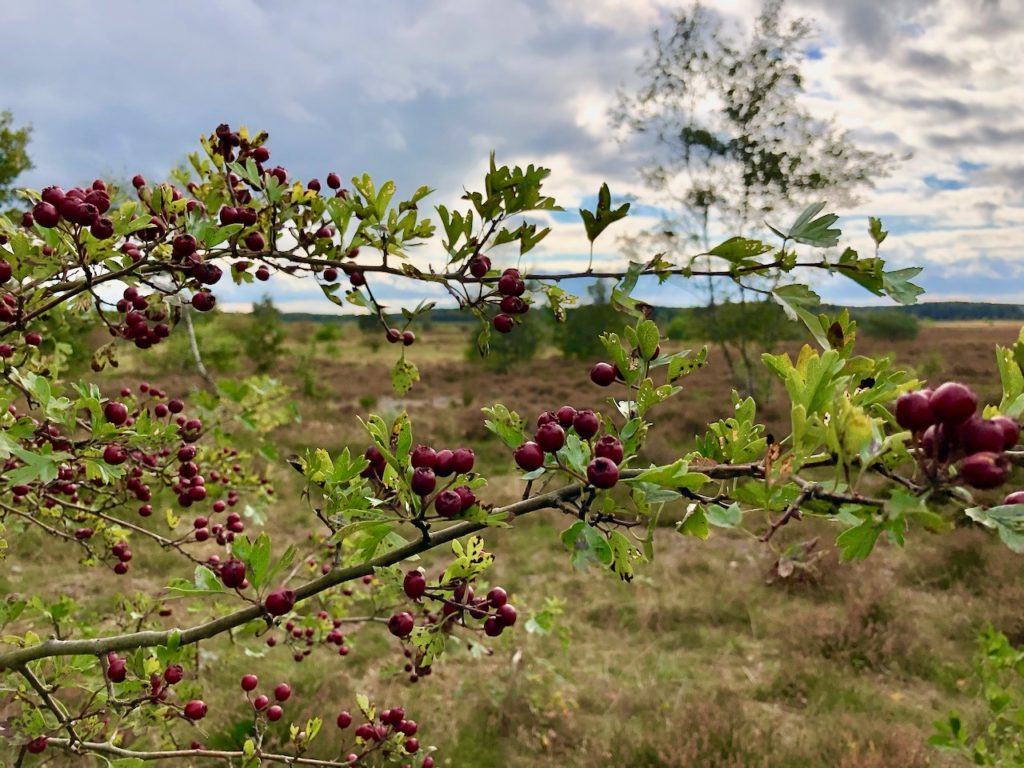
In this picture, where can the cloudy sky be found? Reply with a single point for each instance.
(420, 92)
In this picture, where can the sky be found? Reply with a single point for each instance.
(421, 92)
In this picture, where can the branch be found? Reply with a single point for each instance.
(105, 748)
(50, 703)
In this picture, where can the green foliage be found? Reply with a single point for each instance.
(1000, 741)
(14, 159)
(265, 336)
(508, 350)
(887, 324)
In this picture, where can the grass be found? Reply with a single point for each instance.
(699, 662)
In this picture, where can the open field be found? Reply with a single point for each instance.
(699, 662)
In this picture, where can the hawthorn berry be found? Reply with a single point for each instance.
(529, 456)
(603, 374)
(467, 496)
(232, 573)
(565, 416)
(448, 503)
(262, 274)
(408, 338)
(330, 275)
(914, 412)
(116, 413)
(344, 720)
(33, 339)
(984, 470)
(602, 472)
(261, 702)
(507, 614)
(493, 626)
(279, 602)
(1017, 497)
(609, 447)
(978, 434)
(174, 674)
(46, 215)
(586, 424)
(196, 709)
(333, 180)
(503, 323)
(463, 460)
(412, 746)
(249, 682)
(444, 466)
(423, 456)
(550, 437)
(115, 454)
(275, 713)
(414, 585)
(953, 402)
(401, 624)
(282, 692)
(358, 279)
(497, 597)
(479, 266)
(37, 745)
(394, 335)
(1010, 430)
(5, 271)
(423, 481)
(203, 301)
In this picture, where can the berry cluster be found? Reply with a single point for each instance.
(429, 464)
(140, 322)
(261, 702)
(607, 451)
(458, 602)
(77, 208)
(392, 725)
(510, 288)
(948, 431)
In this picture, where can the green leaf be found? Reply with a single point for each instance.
(875, 229)
(695, 524)
(856, 543)
(1006, 519)
(813, 231)
(675, 475)
(603, 216)
(897, 285)
(738, 249)
(648, 338)
(403, 375)
(724, 517)
(506, 424)
(795, 299)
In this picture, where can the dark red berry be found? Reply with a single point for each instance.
(448, 503)
(275, 713)
(479, 266)
(423, 481)
(603, 374)
(978, 434)
(507, 614)
(423, 456)
(333, 181)
(37, 745)
(232, 573)
(1017, 497)
(586, 424)
(610, 448)
(565, 416)
(550, 437)
(282, 692)
(914, 412)
(503, 323)
(1010, 430)
(445, 464)
(46, 215)
(953, 402)
(401, 624)
(279, 602)
(414, 585)
(249, 682)
(602, 472)
(463, 460)
(467, 496)
(196, 709)
(174, 674)
(529, 456)
(344, 720)
(116, 413)
(497, 597)
(984, 470)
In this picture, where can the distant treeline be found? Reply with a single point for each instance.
(938, 310)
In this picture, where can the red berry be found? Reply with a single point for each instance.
(479, 266)
(114, 455)
(260, 702)
(5, 271)
(423, 481)
(978, 434)
(412, 746)
(529, 456)
(401, 624)
(503, 323)
(493, 626)
(46, 215)
(232, 573)
(358, 279)
(249, 682)
(37, 745)
(275, 713)
(914, 412)
(984, 470)
(463, 460)
(448, 503)
(445, 464)
(196, 709)
(116, 413)
(602, 472)
(1010, 429)
(497, 597)
(953, 402)
(423, 456)
(203, 301)
(507, 614)
(414, 585)
(344, 720)
(610, 448)
(585, 423)
(565, 416)
(1017, 497)
(279, 602)
(333, 181)
(283, 692)
(467, 496)
(603, 374)
(33, 339)
(550, 437)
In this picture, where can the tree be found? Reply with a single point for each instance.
(266, 334)
(14, 158)
(576, 337)
(87, 471)
(730, 142)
